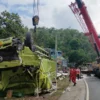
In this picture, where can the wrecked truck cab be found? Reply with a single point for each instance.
(24, 70)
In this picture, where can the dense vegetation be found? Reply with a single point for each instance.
(74, 45)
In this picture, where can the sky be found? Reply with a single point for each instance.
(52, 13)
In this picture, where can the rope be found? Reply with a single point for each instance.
(34, 28)
(35, 13)
(38, 7)
(34, 7)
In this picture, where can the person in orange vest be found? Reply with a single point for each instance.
(74, 75)
(70, 73)
(78, 73)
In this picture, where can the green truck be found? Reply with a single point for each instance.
(25, 68)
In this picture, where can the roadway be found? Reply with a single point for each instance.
(94, 88)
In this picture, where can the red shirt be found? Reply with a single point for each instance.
(71, 71)
(74, 72)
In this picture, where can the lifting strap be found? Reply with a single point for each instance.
(35, 18)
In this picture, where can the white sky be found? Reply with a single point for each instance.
(53, 13)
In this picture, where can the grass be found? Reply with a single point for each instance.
(62, 85)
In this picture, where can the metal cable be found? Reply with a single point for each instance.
(38, 7)
(33, 7)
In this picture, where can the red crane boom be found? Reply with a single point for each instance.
(81, 14)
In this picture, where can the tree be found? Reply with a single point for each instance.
(78, 57)
(75, 44)
(71, 42)
(11, 25)
(68, 40)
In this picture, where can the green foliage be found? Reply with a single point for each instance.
(71, 42)
(11, 25)
(75, 44)
(78, 57)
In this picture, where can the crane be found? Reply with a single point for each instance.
(80, 11)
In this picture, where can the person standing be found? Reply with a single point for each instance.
(70, 74)
(78, 73)
(74, 74)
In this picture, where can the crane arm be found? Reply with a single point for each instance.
(80, 11)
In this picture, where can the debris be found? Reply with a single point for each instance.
(63, 92)
(60, 78)
(68, 89)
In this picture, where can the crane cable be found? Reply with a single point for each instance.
(36, 7)
(33, 6)
(35, 18)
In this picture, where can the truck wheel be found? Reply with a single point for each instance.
(29, 40)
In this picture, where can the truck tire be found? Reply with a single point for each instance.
(29, 40)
